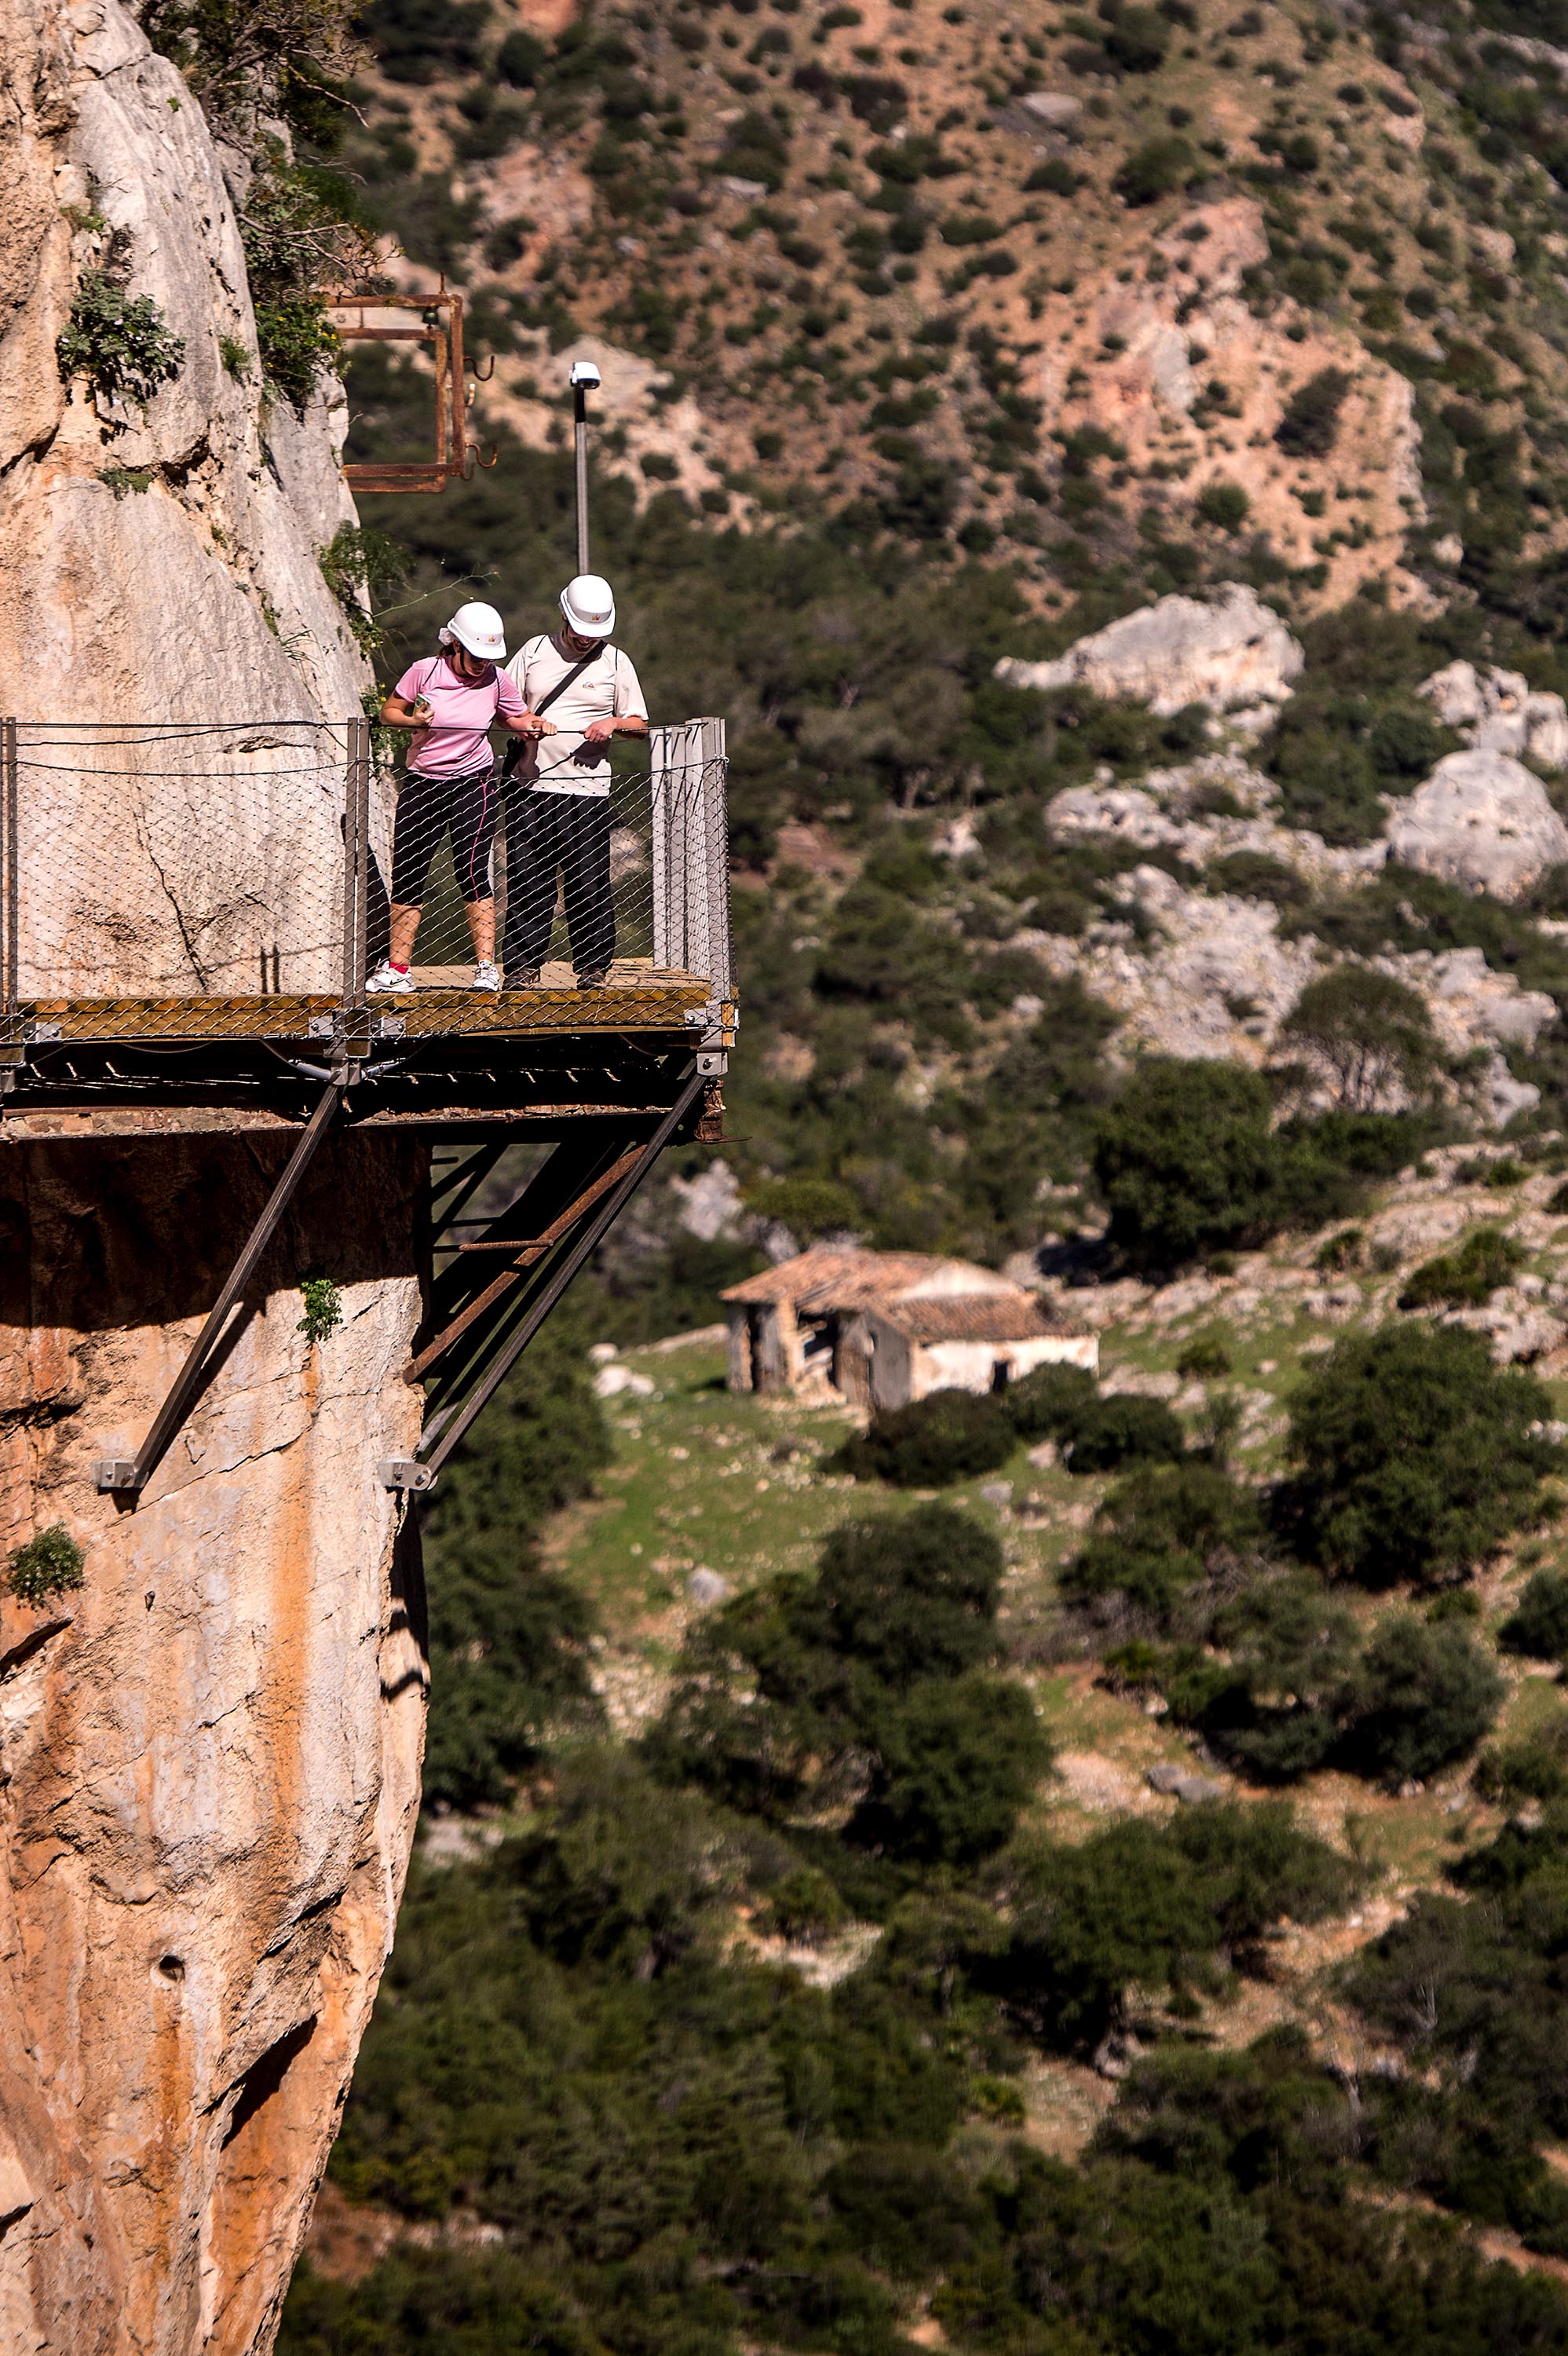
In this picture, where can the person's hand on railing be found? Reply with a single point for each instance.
(529, 725)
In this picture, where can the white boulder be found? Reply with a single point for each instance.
(1228, 654)
(1498, 712)
(1481, 820)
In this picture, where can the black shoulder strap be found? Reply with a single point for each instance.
(561, 684)
(517, 748)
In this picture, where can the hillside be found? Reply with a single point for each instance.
(1129, 299)
(1107, 468)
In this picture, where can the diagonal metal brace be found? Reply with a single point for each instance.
(525, 1255)
(131, 1476)
(399, 1473)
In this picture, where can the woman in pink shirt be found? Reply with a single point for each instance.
(450, 700)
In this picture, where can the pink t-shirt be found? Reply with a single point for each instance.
(455, 744)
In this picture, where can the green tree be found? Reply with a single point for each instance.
(1369, 1032)
(1538, 1626)
(1186, 1161)
(509, 1638)
(1415, 1455)
(1161, 1534)
(1423, 1696)
(1291, 1649)
(956, 1759)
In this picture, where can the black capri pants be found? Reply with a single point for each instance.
(427, 806)
(569, 833)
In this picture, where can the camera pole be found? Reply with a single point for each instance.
(584, 378)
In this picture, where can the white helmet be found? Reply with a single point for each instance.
(589, 605)
(479, 630)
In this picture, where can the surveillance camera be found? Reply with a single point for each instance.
(585, 376)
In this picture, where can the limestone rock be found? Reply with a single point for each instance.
(1180, 1783)
(711, 1204)
(1481, 820)
(210, 1750)
(199, 596)
(1233, 652)
(1498, 712)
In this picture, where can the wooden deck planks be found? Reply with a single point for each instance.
(644, 1000)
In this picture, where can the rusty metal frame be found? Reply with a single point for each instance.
(472, 1355)
(130, 1475)
(440, 327)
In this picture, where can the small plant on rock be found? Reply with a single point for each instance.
(323, 1309)
(47, 1564)
(117, 341)
(1466, 1277)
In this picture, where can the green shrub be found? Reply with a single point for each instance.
(1423, 1698)
(1126, 1429)
(864, 1683)
(804, 1906)
(1051, 1402)
(1415, 1455)
(948, 1436)
(1467, 1277)
(1291, 1649)
(1205, 1356)
(1185, 1159)
(1310, 425)
(1147, 1906)
(809, 1207)
(956, 1759)
(1256, 875)
(118, 342)
(1538, 1626)
(1535, 1768)
(47, 1565)
(1136, 39)
(1156, 169)
(323, 1309)
(519, 58)
(1224, 505)
(1161, 1534)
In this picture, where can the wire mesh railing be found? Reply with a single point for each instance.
(224, 864)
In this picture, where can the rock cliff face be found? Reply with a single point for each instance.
(209, 1749)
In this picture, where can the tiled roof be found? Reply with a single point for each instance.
(827, 1277)
(976, 1317)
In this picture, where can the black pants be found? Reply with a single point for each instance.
(471, 807)
(572, 832)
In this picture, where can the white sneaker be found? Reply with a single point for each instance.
(387, 977)
(486, 976)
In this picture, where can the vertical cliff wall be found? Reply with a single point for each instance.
(209, 1751)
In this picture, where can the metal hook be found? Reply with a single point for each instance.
(482, 375)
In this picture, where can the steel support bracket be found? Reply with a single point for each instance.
(404, 1473)
(115, 1473)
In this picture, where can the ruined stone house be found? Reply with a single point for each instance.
(884, 1328)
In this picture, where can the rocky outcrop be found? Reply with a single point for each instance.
(1203, 810)
(162, 565)
(1481, 820)
(1495, 711)
(211, 1747)
(1233, 653)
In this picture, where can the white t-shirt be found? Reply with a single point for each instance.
(606, 689)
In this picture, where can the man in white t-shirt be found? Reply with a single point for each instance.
(557, 797)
